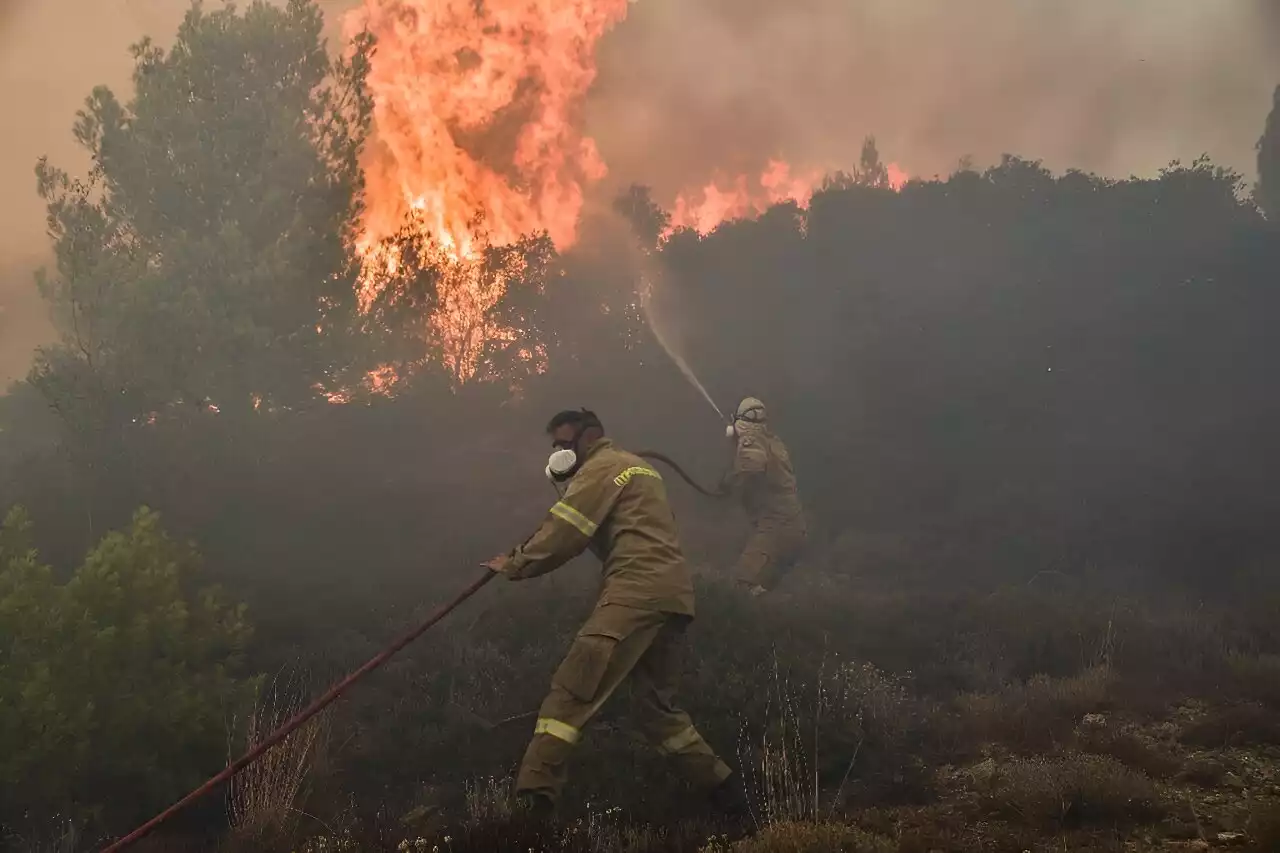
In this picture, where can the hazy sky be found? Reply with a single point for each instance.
(689, 86)
(1115, 86)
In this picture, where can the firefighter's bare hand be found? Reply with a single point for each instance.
(498, 564)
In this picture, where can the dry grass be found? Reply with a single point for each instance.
(63, 838)
(490, 799)
(776, 770)
(264, 798)
(797, 837)
(798, 769)
(847, 708)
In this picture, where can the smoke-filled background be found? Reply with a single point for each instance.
(317, 318)
(1117, 88)
(691, 90)
(52, 54)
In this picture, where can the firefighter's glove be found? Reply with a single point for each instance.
(503, 565)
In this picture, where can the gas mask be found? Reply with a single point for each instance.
(561, 464)
(750, 414)
(563, 461)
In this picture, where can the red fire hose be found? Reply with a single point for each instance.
(341, 687)
(301, 717)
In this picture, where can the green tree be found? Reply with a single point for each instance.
(122, 679)
(1268, 190)
(205, 260)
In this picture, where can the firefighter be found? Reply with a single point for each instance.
(763, 479)
(615, 504)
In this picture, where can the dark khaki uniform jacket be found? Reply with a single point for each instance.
(616, 505)
(764, 480)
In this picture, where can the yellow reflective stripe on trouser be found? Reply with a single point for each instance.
(557, 729)
(681, 741)
(567, 513)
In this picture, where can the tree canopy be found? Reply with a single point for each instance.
(206, 259)
(1268, 192)
(117, 680)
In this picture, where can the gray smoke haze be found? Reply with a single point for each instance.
(52, 52)
(691, 87)
(1115, 86)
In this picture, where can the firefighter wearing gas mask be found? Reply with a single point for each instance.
(615, 504)
(763, 479)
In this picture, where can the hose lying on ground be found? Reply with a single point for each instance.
(301, 717)
(666, 460)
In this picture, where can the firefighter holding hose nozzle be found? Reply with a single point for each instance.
(763, 479)
(615, 504)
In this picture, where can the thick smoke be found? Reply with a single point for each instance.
(689, 88)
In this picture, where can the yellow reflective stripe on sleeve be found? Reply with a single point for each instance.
(564, 512)
(625, 477)
(681, 741)
(557, 729)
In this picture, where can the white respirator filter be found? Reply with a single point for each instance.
(560, 464)
(729, 431)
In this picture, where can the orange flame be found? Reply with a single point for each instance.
(478, 134)
(478, 142)
(715, 204)
(897, 177)
(743, 198)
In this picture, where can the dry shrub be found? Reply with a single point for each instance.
(264, 797)
(861, 702)
(1203, 772)
(1234, 725)
(1037, 715)
(1069, 790)
(795, 837)
(1256, 677)
(869, 734)
(1264, 828)
(1132, 751)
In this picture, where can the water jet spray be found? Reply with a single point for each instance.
(646, 304)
